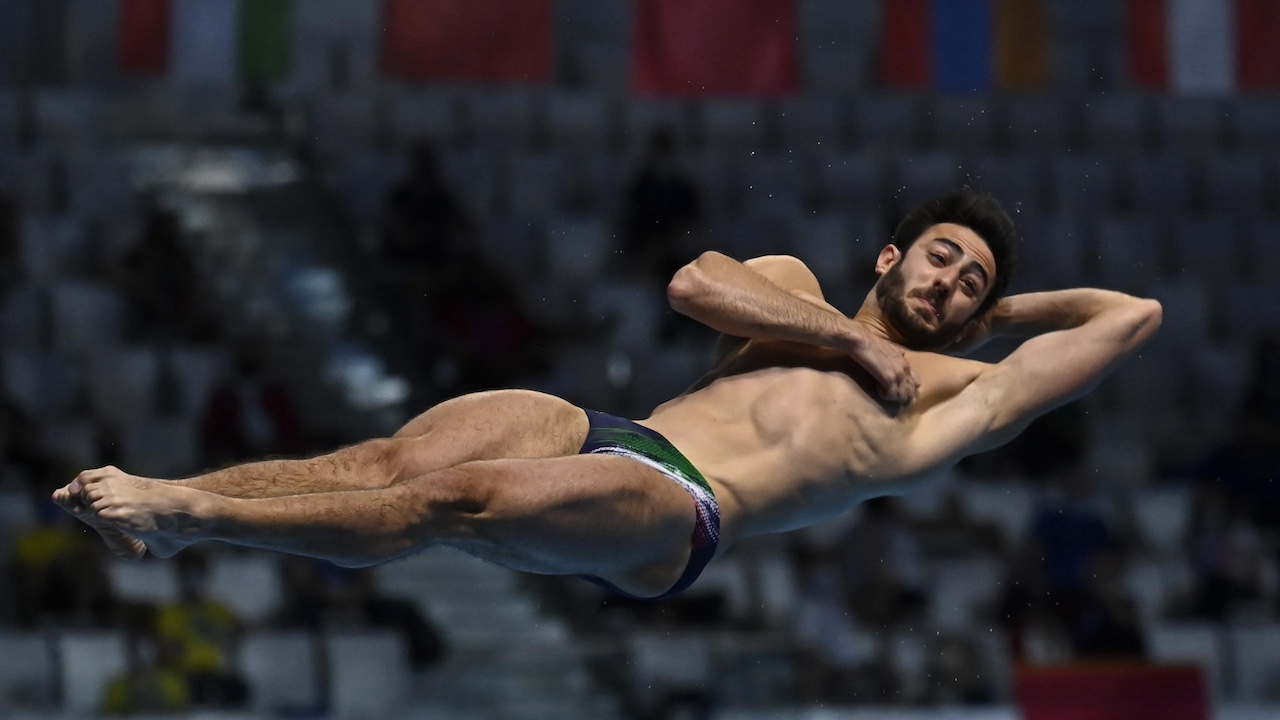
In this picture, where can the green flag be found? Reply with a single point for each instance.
(266, 33)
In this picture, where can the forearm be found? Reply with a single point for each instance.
(733, 299)
(1031, 314)
(353, 468)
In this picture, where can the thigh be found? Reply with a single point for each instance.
(500, 424)
(588, 514)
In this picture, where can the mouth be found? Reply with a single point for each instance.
(933, 309)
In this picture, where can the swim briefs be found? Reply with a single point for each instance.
(611, 435)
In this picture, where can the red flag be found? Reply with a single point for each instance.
(1147, 43)
(907, 57)
(714, 47)
(1258, 48)
(144, 36)
(491, 41)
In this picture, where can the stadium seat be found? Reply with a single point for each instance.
(1190, 125)
(1082, 184)
(88, 661)
(502, 119)
(196, 372)
(642, 117)
(1208, 247)
(812, 124)
(1255, 652)
(1117, 123)
(1054, 249)
(579, 248)
(1036, 124)
(662, 662)
(736, 126)
(282, 669)
(538, 185)
(123, 383)
(578, 120)
(1187, 310)
(825, 243)
(602, 65)
(1008, 505)
(963, 124)
(473, 175)
(53, 247)
(42, 383)
(1130, 252)
(889, 122)
(420, 114)
(146, 581)
(164, 448)
(837, 70)
(27, 672)
(850, 181)
(1191, 644)
(75, 442)
(1263, 252)
(917, 178)
(773, 185)
(1158, 184)
(1254, 122)
(368, 674)
(960, 588)
(249, 584)
(1014, 180)
(635, 309)
(24, 315)
(1235, 183)
(1252, 309)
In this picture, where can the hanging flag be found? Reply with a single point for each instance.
(1021, 44)
(266, 39)
(907, 56)
(714, 47)
(492, 41)
(144, 36)
(965, 46)
(1258, 44)
(1205, 47)
(206, 42)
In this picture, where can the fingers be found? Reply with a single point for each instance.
(902, 385)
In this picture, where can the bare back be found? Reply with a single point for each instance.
(791, 434)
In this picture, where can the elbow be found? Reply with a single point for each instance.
(1148, 314)
(688, 283)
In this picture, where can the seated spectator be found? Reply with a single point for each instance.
(151, 684)
(663, 207)
(201, 635)
(1227, 555)
(956, 675)
(160, 281)
(1246, 466)
(953, 532)
(10, 244)
(1108, 626)
(425, 224)
(320, 595)
(883, 565)
(249, 414)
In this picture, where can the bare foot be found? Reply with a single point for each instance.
(69, 497)
(164, 516)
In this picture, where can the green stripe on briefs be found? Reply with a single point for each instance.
(660, 452)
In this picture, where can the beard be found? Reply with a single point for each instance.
(891, 295)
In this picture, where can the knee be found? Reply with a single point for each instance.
(460, 500)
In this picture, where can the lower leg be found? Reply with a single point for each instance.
(350, 528)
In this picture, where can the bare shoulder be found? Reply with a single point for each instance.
(787, 272)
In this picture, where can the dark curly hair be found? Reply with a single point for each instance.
(980, 212)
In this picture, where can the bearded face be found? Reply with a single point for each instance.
(911, 322)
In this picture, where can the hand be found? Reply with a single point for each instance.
(888, 364)
(975, 334)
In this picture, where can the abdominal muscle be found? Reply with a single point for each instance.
(785, 445)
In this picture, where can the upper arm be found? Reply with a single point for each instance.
(792, 275)
(1044, 373)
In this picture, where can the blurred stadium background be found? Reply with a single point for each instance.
(238, 229)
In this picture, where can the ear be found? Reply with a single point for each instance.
(887, 258)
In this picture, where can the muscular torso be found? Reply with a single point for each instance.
(790, 435)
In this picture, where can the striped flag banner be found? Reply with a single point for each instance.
(965, 46)
(714, 47)
(1205, 47)
(206, 42)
